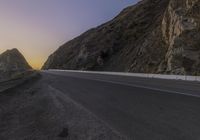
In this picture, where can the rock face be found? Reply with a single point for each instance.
(153, 36)
(13, 60)
(180, 30)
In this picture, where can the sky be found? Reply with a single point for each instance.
(38, 27)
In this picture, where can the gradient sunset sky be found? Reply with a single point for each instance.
(38, 27)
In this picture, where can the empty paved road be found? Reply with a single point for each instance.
(140, 108)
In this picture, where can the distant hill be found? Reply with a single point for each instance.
(13, 60)
(153, 36)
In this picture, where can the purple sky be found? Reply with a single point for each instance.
(39, 27)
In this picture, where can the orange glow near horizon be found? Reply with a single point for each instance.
(38, 27)
(35, 62)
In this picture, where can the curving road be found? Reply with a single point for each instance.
(140, 108)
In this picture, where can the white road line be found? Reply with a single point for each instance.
(79, 106)
(133, 85)
(144, 87)
(145, 75)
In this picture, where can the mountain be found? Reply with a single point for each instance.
(153, 36)
(13, 60)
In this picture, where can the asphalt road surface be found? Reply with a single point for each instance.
(35, 110)
(139, 108)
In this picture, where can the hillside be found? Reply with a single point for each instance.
(12, 60)
(153, 36)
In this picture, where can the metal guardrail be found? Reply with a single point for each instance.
(8, 81)
(20, 76)
(144, 75)
(4, 85)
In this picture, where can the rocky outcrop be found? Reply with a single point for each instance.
(180, 29)
(153, 36)
(13, 60)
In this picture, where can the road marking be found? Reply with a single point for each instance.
(79, 106)
(131, 85)
(144, 87)
(145, 75)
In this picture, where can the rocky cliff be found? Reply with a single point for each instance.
(153, 36)
(180, 30)
(13, 60)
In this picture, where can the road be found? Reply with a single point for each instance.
(34, 110)
(139, 108)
